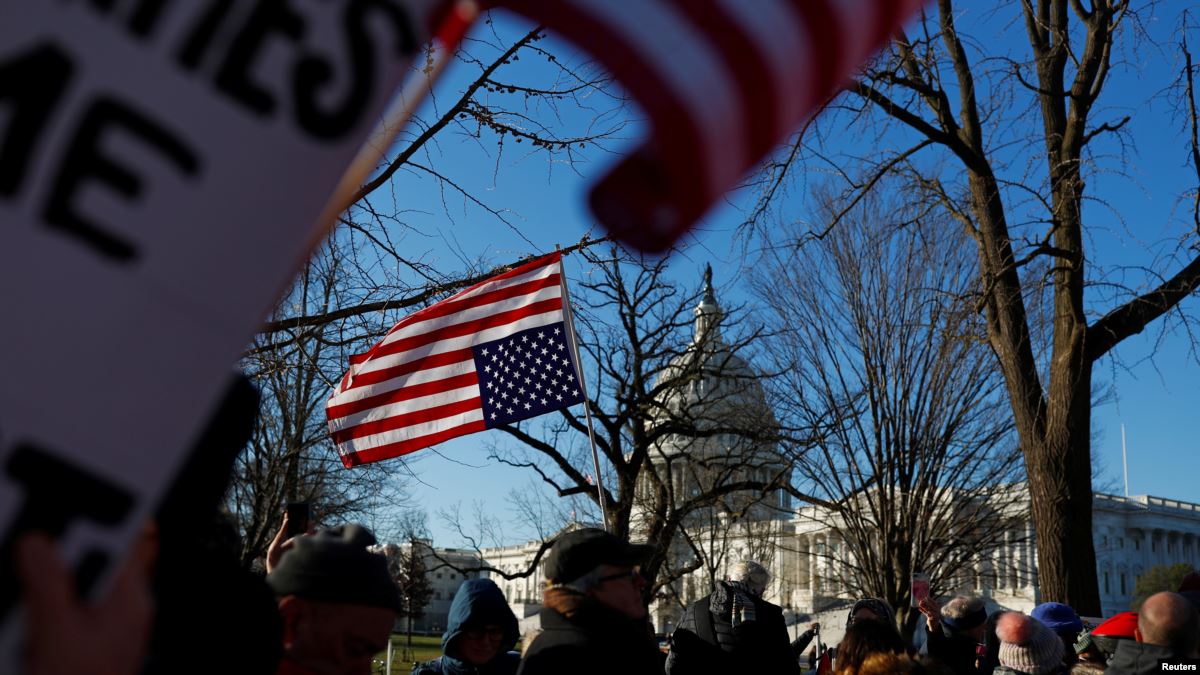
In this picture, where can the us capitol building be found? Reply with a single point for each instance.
(1131, 534)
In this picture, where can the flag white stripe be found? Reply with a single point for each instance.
(404, 407)
(461, 342)
(411, 432)
(666, 42)
(473, 313)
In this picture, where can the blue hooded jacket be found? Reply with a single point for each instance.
(477, 603)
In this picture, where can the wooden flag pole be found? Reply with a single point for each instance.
(568, 314)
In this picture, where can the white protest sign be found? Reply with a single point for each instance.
(163, 167)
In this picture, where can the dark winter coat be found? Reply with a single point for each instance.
(478, 603)
(1137, 658)
(956, 652)
(706, 637)
(595, 640)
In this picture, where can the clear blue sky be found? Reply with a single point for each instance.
(1155, 387)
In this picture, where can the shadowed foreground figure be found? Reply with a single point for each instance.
(1167, 628)
(593, 617)
(955, 632)
(337, 600)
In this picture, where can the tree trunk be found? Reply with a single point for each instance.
(1061, 500)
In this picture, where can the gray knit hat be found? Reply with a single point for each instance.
(1027, 645)
(334, 565)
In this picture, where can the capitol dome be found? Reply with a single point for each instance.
(710, 388)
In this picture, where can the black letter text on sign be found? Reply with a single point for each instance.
(55, 494)
(313, 73)
(84, 161)
(30, 85)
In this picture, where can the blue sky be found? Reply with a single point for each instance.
(1154, 383)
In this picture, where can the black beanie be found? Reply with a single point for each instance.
(334, 565)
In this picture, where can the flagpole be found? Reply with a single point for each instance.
(587, 413)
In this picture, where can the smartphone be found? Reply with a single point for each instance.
(920, 588)
(297, 517)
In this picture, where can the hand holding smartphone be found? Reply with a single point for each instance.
(920, 588)
(297, 519)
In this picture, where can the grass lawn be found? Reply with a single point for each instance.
(424, 648)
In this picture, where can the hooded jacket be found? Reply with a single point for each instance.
(478, 603)
(1136, 658)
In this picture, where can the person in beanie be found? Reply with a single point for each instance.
(735, 627)
(955, 632)
(1100, 644)
(593, 615)
(1168, 628)
(1027, 646)
(871, 609)
(337, 601)
(480, 634)
(1065, 623)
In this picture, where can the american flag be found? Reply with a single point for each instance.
(722, 82)
(496, 353)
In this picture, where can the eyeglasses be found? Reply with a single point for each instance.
(632, 575)
(480, 632)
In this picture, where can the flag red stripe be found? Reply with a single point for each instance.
(821, 23)
(750, 70)
(515, 272)
(432, 361)
(411, 445)
(452, 306)
(466, 328)
(402, 394)
(406, 419)
(544, 261)
(677, 138)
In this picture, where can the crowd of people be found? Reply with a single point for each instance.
(336, 606)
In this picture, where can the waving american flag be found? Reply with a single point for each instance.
(496, 353)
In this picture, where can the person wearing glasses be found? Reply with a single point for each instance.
(480, 634)
(593, 610)
(733, 629)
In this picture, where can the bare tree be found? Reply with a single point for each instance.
(369, 272)
(1007, 136)
(881, 353)
(289, 456)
